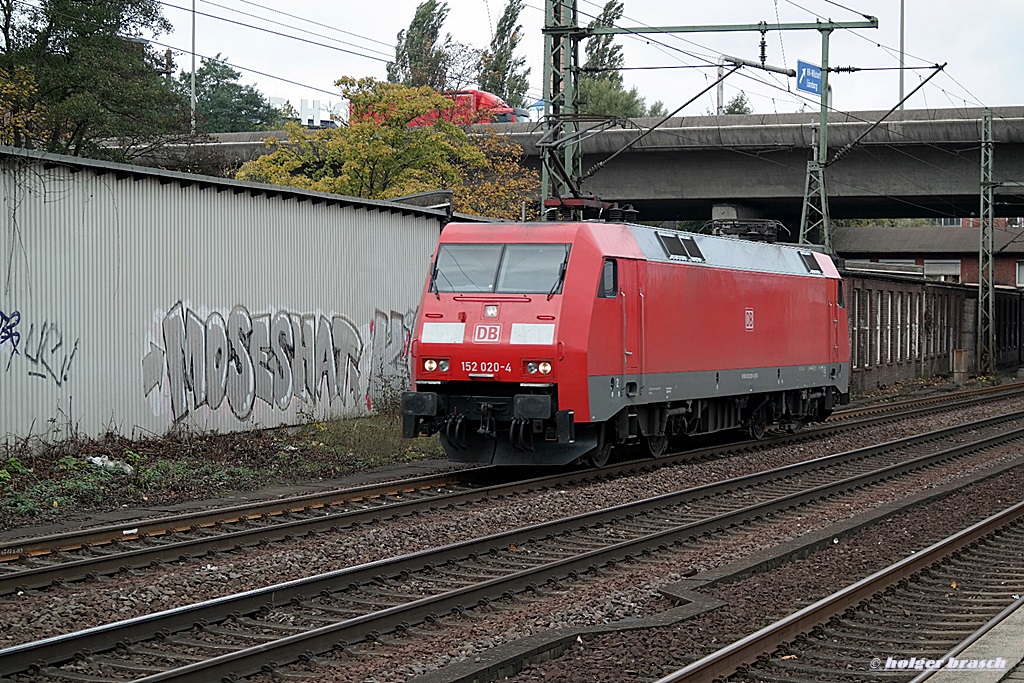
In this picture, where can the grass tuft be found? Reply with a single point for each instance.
(45, 478)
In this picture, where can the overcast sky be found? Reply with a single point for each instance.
(980, 40)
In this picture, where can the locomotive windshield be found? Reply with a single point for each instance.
(500, 268)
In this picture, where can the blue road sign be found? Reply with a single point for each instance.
(808, 77)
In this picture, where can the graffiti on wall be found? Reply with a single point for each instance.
(237, 358)
(390, 335)
(48, 356)
(9, 334)
(43, 349)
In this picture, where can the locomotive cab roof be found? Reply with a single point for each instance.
(631, 240)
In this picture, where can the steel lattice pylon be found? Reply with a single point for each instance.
(561, 99)
(814, 220)
(986, 275)
(561, 155)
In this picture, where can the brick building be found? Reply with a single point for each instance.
(949, 254)
(913, 299)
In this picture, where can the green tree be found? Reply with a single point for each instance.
(96, 79)
(379, 156)
(604, 57)
(223, 105)
(601, 88)
(501, 72)
(497, 188)
(606, 97)
(462, 67)
(739, 105)
(882, 222)
(421, 56)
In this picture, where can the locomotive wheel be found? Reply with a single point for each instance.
(599, 456)
(655, 446)
(758, 424)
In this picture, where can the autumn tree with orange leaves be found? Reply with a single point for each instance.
(500, 187)
(20, 112)
(378, 155)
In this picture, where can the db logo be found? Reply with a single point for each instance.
(749, 318)
(487, 334)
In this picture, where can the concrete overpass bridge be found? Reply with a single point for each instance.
(919, 163)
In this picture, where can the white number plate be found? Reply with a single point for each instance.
(474, 366)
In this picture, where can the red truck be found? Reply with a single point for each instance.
(474, 106)
(471, 106)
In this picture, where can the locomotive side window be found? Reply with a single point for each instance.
(810, 262)
(840, 298)
(672, 245)
(692, 250)
(500, 268)
(681, 247)
(609, 287)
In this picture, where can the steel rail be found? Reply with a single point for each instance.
(61, 648)
(277, 529)
(38, 577)
(727, 660)
(973, 638)
(967, 397)
(252, 660)
(134, 528)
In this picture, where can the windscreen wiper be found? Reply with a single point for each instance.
(432, 287)
(561, 275)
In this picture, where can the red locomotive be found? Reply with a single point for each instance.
(550, 343)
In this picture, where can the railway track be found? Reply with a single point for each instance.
(73, 556)
(936, 400)
(242, 634)
(925, 608)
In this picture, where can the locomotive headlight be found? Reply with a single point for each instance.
(491, 311)
(545, 368)
(430, 365)
(531, 368)
(443, 365)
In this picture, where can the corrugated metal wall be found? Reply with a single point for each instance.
(133, 302)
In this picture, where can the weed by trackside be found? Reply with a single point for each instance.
(51, 476)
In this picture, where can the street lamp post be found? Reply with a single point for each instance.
(901, 54)
(193, 67)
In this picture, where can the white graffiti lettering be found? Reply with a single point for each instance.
(275, 358)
